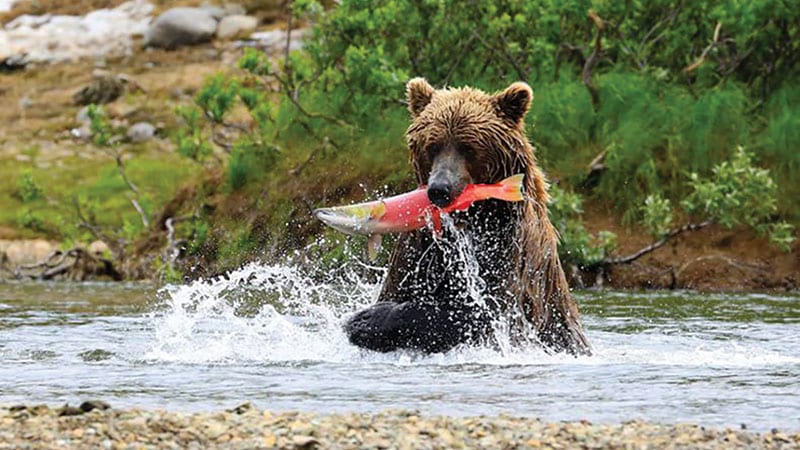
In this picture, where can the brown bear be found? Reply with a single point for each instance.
(511, 282)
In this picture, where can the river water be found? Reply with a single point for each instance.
(272, 335)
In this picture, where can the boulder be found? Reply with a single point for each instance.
(98, 249)
(181, 26)
(218, 12)
(26, 252)
(237, 26)
(51, 38)
(141, 132)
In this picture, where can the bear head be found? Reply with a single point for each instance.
(460, 136)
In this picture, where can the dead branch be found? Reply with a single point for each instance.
(522, 74)
(225, 145)
(141, 212)
(55, 258)
(701, 59)
(131, 186)
(121, 169)
(75, 262)
(568, 48)
(287, 65)
(299, 169)
(745, 267)
(84, 222)
(593, 59)
(462, 51)
(173, 249)
(659, 243)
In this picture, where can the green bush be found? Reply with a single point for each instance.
(678, 87)
(27, 188)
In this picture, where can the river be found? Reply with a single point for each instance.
(271, 335)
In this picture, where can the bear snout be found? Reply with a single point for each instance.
(440, 194)
(448, 177)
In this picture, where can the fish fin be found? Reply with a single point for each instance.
(511, 189)
(374, 246)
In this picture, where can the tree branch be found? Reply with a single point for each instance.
(593, 59)
(121, 169)
(522, 74)
(659, 243)
(691, 67)
(141, 212)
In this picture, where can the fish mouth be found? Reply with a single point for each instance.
(342, 221)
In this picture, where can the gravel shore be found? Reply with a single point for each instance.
(94, 425)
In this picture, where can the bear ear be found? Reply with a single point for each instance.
(514, 102)
(419, 94)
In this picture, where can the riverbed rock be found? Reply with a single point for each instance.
(37, 426)
(141, 132)
(98, 249)
(53, 38)
(104, 88)
(26, 251)
(275, 40)
(237, 26)
(181, 26)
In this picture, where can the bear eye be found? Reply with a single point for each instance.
(433, 150)
(467, 151)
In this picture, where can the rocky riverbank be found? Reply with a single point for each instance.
(248, 427)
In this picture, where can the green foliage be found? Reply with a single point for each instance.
(233, 251)
(166, 272)
(680, 85)
(255, 62)
(30, 219)
(250, 160)
(102, 133)
(738, 193)
(199, 234)
(657, 212)
(190, 139)
(216, 97)
(578, 246)
(27, 188)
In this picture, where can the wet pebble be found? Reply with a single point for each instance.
(39, 426)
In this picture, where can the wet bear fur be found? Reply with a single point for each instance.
(460, 136)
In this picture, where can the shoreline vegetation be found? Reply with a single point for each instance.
(669, 132)
(92, 425)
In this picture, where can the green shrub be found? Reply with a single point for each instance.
(27, 188)
(30, 219)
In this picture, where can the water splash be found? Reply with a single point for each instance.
(259, 313)
(282, 313)
(263, 313)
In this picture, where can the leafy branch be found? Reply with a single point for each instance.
(103, 136)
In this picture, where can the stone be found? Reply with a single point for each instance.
(104, 88)
(26, 252)
(236, 26)
(219, 12)
(275, 40)
(181, 26)
(53, 38)
(141, 132)
(82, 116)
(214, 11)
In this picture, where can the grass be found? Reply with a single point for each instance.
(97, 185)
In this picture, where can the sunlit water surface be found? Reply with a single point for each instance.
(272, 335)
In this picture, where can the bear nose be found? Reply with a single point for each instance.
(439, 194)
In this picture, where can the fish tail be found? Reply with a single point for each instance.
(510, 189)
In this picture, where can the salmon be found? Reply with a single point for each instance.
(411, 211)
